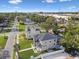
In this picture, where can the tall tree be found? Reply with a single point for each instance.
(71, 36)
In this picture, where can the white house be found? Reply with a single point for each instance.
(45, 41)
(60, 54)
(32, 30)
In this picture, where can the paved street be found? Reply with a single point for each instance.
(8, 50)
(6, 34)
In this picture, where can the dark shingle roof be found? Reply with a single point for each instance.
(46, 36)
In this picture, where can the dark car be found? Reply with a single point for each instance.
(6, 53)
(74, 53)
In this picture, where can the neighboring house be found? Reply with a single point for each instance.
(31, 31)
(60, 54)
(45, 41)
(62, 22)
(28, 22)
(4, 22)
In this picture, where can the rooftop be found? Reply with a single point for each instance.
(46, 36)
(28, 21)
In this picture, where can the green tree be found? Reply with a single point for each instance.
(71, 36)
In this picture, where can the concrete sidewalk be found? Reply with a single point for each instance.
(25, 49)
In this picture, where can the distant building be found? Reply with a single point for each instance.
(28, 22)
(45, 41)
(31, 31)
(62, 22)
(4, 22)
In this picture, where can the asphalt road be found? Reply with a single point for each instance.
(8, 50)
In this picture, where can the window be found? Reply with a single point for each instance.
(54, 40)
(54, 43)
(37, 40)
(37, 29)
(50, 41)
(29, 30)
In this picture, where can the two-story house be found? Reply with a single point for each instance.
(28, 22)
(32, 30)
(62, 22)
(45, 41)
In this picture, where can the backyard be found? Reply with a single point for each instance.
(23, 42)
(21, 27)
(3, 40)
(28, 54)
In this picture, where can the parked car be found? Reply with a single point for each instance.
(6, 53)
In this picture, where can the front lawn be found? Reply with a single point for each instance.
(28, 54)
(23, 42)
(21, 27)
(3, 40)
(6, 30)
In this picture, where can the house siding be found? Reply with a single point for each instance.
(32, 32)
(48, 44)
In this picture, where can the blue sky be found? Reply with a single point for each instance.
(39, 5)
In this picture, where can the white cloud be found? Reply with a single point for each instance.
(48, 1)
(15, 1)
(64, 0)
(52, 1)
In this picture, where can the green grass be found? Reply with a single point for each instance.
(27, 54)
(3, 40)
(7, 30)
(21, 27)
(24, 43)
(14, 55)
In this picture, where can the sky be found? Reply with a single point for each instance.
(39, 5)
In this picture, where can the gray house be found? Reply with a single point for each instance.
(28, 22)
(45, 41)
(32, 30)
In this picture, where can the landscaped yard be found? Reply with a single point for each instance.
(28, 54)
(24, 43)
(21, 27)
(3, 40)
